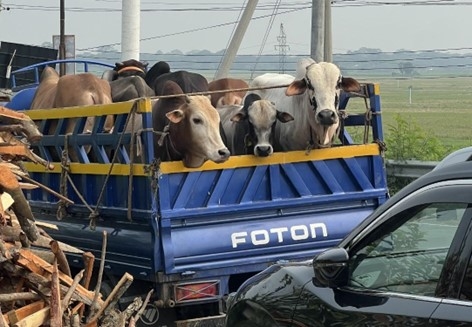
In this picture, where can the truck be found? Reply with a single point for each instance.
(194, 235)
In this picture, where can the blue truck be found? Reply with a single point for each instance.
(194, 235)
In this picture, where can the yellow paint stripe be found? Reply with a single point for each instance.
(277, 158)
(174, 167)
(90, 169)
(144, 106)
(377, 89)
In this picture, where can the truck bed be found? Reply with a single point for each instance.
(163, 219)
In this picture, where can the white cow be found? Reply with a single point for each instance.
(249, 128)
(312, 99)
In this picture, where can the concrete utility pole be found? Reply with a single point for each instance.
(321, 38)
(130, 29)
(233, 47)
(62, 42)
(328, 46)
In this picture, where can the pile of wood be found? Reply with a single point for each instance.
(36, 283)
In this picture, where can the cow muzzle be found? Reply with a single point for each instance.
(223, 155)
(327, 117)
(263, 150)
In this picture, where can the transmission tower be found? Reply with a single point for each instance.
(282, 47)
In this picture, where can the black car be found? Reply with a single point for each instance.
(408, 264)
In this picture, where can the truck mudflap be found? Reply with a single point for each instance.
(251, 211)
(214, 321)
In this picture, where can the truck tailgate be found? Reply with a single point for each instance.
(242, 211)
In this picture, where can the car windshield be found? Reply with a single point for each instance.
(409, 256)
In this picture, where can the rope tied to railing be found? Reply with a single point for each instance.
(95, 214)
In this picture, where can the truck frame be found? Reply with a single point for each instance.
(194, 235)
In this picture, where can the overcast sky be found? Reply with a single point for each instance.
(193, 25)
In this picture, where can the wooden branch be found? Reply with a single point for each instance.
(35, 264)
(114, 296)
(21, 296)
(67, 297)
(61, 258)
(135, 318)
(44, 187)
(100, 276)
(55, 300)
(23, 213)
(89, 260)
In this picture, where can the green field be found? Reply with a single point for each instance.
(442, 107)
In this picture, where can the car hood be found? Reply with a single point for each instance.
(275, 290)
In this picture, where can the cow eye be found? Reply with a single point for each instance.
(197, 121)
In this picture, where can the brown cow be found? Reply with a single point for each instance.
(187, 128)
(83, 89)
(219, 100)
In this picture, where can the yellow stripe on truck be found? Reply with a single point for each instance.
(144, 106)
(173, 167)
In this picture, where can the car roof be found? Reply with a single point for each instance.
(461, 155)
(452, 171)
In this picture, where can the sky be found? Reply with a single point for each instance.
(189, 25)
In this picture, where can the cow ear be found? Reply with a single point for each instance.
(296, 88)
(119, 65)
(175, 116)
(238, 117)
(284, 117)
(349, 84)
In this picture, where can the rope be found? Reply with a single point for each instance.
(65, 176)
(244, 89)
(368, 116)
(65, 169)
(131, 163)
(93, 216)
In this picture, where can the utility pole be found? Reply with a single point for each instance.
(233, 47)
(321, 35)
(282, 47)
(328, 46)
(62, 43)
(130, 29)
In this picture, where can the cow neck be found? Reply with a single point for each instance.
(166, 141)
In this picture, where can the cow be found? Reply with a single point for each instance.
(312, 98)
(83, 89)
(227, 98)
(156, 70)
(186, 128)
(127, 81)
(250, 128)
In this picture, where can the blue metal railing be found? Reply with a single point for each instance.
(36, 68)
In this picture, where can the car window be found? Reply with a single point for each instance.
(409, 255)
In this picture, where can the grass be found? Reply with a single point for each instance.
(441, 106)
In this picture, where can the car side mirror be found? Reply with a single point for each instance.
(331, 268)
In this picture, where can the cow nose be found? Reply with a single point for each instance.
(263, 151)
(224, 153)
(327, 117)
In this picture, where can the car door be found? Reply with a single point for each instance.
(400, 266)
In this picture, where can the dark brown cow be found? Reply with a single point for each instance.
(127, 80)
(227, 98)
(187, 128)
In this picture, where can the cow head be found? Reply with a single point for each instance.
(130, 67)
(322, 83)
(261, 115)
(194, 129)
